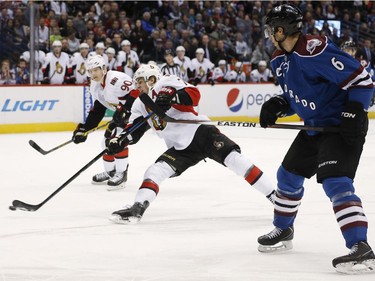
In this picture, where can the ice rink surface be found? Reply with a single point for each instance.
(202, 227)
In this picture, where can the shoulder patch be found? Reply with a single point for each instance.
(311, 45)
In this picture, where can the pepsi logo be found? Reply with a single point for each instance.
(234, 100)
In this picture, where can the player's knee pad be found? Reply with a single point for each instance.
(289, 184)
(339, 190)
(159, 172)
(238, 163)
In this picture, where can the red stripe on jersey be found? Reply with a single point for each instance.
(347, 205)
(108, 158)
(351, 77)
(253, 175)
(194, 94)
(354, 224)
(149, 184)
(123, 154)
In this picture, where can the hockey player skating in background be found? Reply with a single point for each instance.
(325, 87)
(187, 144)
(113, 90)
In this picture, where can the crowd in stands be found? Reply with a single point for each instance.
(201, 41)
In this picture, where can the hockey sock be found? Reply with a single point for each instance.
(243, 167)
(147, 192)
(108, 162)
(348, 209)
(288, 198)
(122, 160)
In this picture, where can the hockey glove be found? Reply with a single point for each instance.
(79, 135)
(121, 116)
(275, 107)
(109, 131)
(116, 145)
(354, 122)
(165, 97)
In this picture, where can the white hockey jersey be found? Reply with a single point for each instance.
(127, 62)
(175, 135)
(40, 58)
(185, 65)
(57, 67)
(218, 75)
(202, 69)
(234, 76)
(116, 85)
(80, 72)
(256, 76)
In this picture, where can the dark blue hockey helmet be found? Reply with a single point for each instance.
(286, 16)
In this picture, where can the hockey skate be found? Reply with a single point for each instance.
(117, 181)
(102, 178)
(130, 215)
(277, 240)
(361, 259)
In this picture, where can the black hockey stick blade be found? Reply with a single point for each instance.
(158, 111)
(34, 145)
(19, 205)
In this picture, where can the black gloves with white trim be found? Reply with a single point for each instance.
(354, 122)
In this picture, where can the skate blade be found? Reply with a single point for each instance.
(367, 266)
(99, 183)
(279, 247)
(116, 187)
(119, 220)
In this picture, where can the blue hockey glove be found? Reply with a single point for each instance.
(354, 122)
(275, 107)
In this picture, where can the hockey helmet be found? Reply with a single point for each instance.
(56, 43)
(348, 44)
(94, 62)
(146, 71)
(286, 16)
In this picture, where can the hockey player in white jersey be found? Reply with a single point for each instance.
(40, 58)
(110, 90)
(79, 63)
(184, 62)
(127, 59)
(221, 74)
(201, 67)
(237, 75)
(111, 53)
(100, 50)
(262, 73)
(57, 67)
(187, 144)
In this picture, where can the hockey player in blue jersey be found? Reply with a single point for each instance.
(325, 87)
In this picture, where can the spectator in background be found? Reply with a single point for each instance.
(55, 35)
(243, 51)
(158, 52)
(146, 22)
(262, 73)
(259, 54)
(73, 43)
(184, 62)
(223, 53)
(127, 59)
(116, 42)
(22, 73)
(65, 46)
(209, 53)
(43, 35)
(7, 75)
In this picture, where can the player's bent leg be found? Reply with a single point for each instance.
(243, 167)
(147, 192)
(119, 178)
(109, 170)
(287, 201)
(353, 224)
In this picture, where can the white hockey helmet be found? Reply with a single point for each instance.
(110, 50)
(146, 71)
(94, 62)
(84, 46)
(180, 49)
(56, 43)
(99, 45)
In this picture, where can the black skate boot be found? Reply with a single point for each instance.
(103, 177)
(277, 240)
(360, 259)
(130, 215)
(117, 181)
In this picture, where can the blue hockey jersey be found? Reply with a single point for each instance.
(318, 79)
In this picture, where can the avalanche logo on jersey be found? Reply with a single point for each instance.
(234, 100)
(312, 44)
(283, 68)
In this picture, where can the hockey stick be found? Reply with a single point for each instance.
(158, 111)
(19, 205)
(44, 152)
